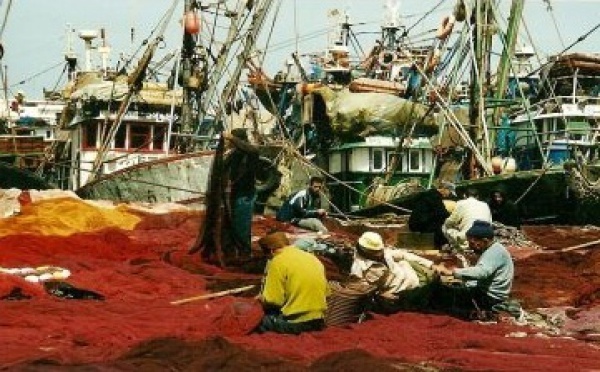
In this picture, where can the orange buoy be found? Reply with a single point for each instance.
(445, 27)
(191, 22)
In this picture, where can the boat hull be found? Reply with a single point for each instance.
(544, 197)
(179, 179)
(18, 178)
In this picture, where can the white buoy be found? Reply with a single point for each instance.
(497, 162)
(509, 165)
(46, 276)
(32, 278)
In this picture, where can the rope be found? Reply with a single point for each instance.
(5, 20)
(579, 40)
(544, 170)
(26, 80)
(425, 15)
(554, 22)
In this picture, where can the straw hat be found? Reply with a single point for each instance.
(448, 186)
(371, 241)
(274, 241)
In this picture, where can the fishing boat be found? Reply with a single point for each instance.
(134, 140)
(28, 128)
(511, 128)
(536, 136)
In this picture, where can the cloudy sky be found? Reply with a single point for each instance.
(34, 34)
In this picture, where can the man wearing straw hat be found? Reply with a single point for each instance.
(294, 288)
(400, 276)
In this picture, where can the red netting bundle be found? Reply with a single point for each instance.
(138, 261)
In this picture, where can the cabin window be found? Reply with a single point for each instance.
(414, 161)
(90, 135)
(48, 134)
(377, 161)
(139, 136)
(158, 138)
(335, 162)
(349, 165)
(121, 137)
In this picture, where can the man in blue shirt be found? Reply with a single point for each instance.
(304, 209)
(485, 286)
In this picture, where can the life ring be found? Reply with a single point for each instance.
(385, 59)
(268, 177)
(445, 27)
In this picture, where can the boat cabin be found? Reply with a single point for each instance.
(357, 165)
(564, 122)
(139, 138)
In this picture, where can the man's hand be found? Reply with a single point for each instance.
(322, 212)
(442, 270)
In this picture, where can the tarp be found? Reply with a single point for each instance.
(353, 113)
(151, 93)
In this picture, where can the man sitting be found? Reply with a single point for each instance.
(467, 210)
(304, 208)
(487, 285)
(294, 288)
(397, 274)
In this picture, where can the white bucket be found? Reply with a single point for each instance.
(497, 164)
(509, 165)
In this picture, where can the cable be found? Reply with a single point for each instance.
(424, 16)
(37, 74)
(579, 40)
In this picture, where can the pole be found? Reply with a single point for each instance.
(213, 295)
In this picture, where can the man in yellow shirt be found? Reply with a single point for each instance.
(294, 288)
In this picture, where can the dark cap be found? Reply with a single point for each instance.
(481, 229)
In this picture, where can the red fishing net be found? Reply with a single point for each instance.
(138, 260)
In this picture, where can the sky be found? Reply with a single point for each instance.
(35, 37)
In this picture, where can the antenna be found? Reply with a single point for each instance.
(104, 51)
(70, 55)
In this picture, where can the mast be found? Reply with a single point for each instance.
(261, 9)
(516, 11)
(480, 79)
(190, 81)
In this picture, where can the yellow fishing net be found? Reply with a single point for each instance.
(66, 216)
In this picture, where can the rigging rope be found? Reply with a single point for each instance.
(26, 80)
(577, 41)
(550, 10)
(5, 20)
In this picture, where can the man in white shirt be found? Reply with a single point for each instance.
(394, 272)
(466, 212)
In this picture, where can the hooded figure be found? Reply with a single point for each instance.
(430, 212)
(503, 210)
(241, 163)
